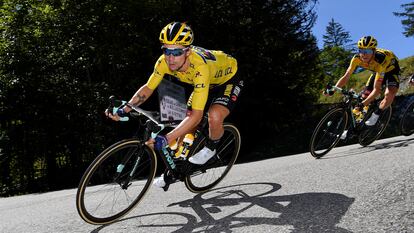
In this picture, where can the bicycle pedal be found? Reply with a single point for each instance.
(169, 179)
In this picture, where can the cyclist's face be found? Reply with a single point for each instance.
(366, 54)
(175, 55)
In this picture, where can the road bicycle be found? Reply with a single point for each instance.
(406, 124)
(328, 132)
(118, 179)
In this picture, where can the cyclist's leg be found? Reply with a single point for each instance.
(223, 102)
(391, 82)
(216, 115)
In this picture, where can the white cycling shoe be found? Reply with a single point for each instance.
(202, 156)
(159, 182)
(372, 120)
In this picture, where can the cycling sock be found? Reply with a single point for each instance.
(212, 144)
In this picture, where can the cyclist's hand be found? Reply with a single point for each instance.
(161, 142)
(108, 113)
(328, 92)
(359, 105)
(117, 114)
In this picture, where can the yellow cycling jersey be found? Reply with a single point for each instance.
(383, 62)
(207, 69)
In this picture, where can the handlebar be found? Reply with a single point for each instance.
(152, 116)
(138, 111)
(350, 93)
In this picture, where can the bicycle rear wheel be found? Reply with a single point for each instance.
(371, 133)
(328, 132)
(115, 182)
(210, 174)
(407, 121)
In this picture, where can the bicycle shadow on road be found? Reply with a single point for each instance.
(367, 149)
(250, 205)
(393, 144)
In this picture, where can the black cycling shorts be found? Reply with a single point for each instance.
(391, 79)
(225, 94)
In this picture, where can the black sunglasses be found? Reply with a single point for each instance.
(175, 52)
(366, 51)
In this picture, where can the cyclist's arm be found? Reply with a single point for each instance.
(188, 124)
(345, 78)
(199, 99)
(140, 97)
(146, 90)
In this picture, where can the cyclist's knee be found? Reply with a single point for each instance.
(218, 112)
(390, 93)
(215, 118)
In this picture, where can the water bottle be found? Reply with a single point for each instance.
(358, 114)
(185, 147)
(365, 109)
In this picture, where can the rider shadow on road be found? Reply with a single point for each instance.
(367, 149)
(394, 144)
(248, 205)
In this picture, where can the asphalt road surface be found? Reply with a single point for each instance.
(352, 189)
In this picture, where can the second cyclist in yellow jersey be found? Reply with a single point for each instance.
(386, 70)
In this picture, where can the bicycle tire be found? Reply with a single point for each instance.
(371, 133)
(227, 153)
(110, 174)
(328, 132)
(407, 120)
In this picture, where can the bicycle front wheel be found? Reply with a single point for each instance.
(407, 121)
(328, 132)
(115, 182)
(210, 174)
(371, 133)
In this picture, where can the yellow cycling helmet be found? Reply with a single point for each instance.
(177, 33)
(367, 42)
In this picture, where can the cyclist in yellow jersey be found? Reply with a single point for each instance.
(212, 74)
(386, 70)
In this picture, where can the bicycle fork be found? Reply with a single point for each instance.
(125, 183)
